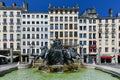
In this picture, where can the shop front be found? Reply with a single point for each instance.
(106, 59)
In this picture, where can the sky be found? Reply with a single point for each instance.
(101, 6)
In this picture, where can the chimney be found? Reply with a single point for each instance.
(13, 4)
(25, 6)
(110, 12)
(2, 4)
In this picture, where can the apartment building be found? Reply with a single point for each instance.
(64, 23)
(34, 33)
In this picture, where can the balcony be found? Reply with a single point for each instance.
(100, 30)
(4, 23)
(11, 30)
(18, 23)
(113, 36)
(18, 48)
(18, 15)
(18, 30)
(11, 39)
(113, 30)
(4, 15)
(18, 39)
(106, 36)
(4, 39)
(11, 23)
(11, 15)
(92, 47)
(4, 30)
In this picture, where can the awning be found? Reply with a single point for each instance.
(119, 54)
(106, 57)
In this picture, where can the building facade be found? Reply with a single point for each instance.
(34, 33)
(96, 38)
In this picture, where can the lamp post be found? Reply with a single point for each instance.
(99, 58)
(81, 54)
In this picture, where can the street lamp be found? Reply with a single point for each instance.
(99, 58)
(81, 54)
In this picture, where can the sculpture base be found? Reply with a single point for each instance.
(60, 68)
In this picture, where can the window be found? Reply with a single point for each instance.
(70, 41)
(80, 35)
(18, 21)
(11, 21)
(28, 22)
(28, 36)
(18, 46)
(41, 43)
(61, 19)
(46, 16)
(113, 49)
(61, 34)
(37, 43)
(90, 21)
(51, 19)
(80, 42)
(18, 37)
(100, 20)
(41, 29)
(94, 36)
(70, 34)
(66, 18)
(37, 16)
(46, 22)
(75, 19)
(51, 34)
(4, 28)
(33, 29)
(75, 26)
(18, 14)
(24, 36)
(24, 22)
(46, 29)
(113, 20)
(90, 28)
(37, 36)
(33, 16)
(66, 42)
(84, 35)
(70, 26)
(24, 16)
(24, 50)
(56, 18)
(28, 16)
(100, 42)
(33, 22)
(113, 42)
(11, 14)
(33, 36)
(37, 22)
(80, 21)
(24, 29)
(11, 37)
(75, 34)
(4, 14)
(84, 50)
(94, 28)
(84, 28)
(37, 50)
(66, 34)
(84, 42)
(90, 35)
(24, 43)
(70, 19)
(41, 36)
(28, 29)
(37, 29)
(61, 26)
(41, 16)
(46, 36)
(56, 26)
(66, 26)
(51, 26)
(94, 21)
(5, 45)
(18, 28)
(80, 27)
(106, 21)
(106, 49)
(12, 45)
(84, 20)
(106, 42)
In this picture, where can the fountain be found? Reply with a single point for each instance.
(58, 58)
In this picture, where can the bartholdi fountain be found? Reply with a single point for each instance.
(58, 58)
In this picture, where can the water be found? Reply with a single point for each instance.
(34, 74)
